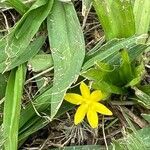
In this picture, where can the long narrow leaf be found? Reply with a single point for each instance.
(12, 107)
(142, 16)
(17, 5)
(68, 50)
(110, 49)
(116, 17)
(20, 37)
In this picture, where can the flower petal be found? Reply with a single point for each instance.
(84, 90)
(100, 108)
(80, 113)
(74, 98)
(92, 118)
(96, 95)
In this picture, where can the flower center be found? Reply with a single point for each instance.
(88, 101)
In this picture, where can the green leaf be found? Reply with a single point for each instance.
(138, 72)
(68, 50)
(106, 78)
(142, 16)
(35, 122)
(17, 5)
(83, 147)
(145, 89)
(105, 72)
(140, 48)
(115, 79)
(23, 56)
(110, 49)
(107, 87)
(2, 139)
(12, 106)
(116, 17)
(41, 62)
(40, 104)
(125, 71)
(20, 37)
(2, 86)
(135, 141)
(143, 98)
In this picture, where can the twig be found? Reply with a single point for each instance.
(122, 103)
(104, 136)
(141, 122)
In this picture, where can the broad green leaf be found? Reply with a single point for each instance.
(23, 56)
(105, 72)
(116, 17)
(68, 50)
(12, 106)
(41, 62)
(107, 87)
(107, 51)
(138, 72)
(106, 78)
(142, 16)
(93, 74)
(115, 79)
(20, 37)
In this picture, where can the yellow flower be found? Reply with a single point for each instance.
(89, 105)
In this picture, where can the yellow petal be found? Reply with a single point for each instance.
(92, 118)
(84, 90)
(80, 113)
(100, 108)
(96, 95)
(74, 98)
